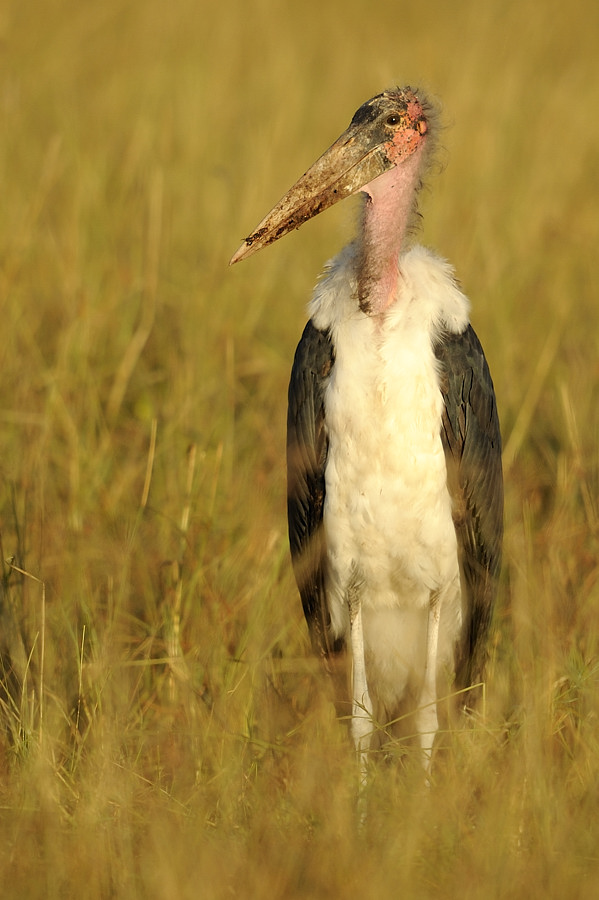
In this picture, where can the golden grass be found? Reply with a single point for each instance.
(162, 730)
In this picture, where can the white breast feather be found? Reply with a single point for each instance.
(387, 514)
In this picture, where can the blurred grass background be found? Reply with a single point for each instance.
(163, 731)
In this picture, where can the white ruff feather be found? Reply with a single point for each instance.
(383, 413)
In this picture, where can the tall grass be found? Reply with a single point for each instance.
(164, 732)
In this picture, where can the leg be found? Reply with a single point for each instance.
(361, 724)
(426, 720)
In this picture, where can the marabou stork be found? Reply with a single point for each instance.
(395, 490)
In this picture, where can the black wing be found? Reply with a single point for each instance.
(307, 447)
(472, 443)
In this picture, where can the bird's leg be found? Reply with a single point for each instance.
(427, 721)
(361, 724)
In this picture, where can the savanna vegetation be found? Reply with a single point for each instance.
(163, 730)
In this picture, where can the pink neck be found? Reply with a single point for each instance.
(388, 208)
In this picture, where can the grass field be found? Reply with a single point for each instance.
(163, 731)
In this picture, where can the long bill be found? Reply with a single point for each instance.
(350, 163)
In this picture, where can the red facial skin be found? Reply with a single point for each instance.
(409, 133)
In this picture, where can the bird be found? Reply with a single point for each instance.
(394, 476)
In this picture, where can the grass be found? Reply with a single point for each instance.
(164, 732)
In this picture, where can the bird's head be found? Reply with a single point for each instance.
(384, 132)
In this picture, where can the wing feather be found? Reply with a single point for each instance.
(472, 443)
(307, 447)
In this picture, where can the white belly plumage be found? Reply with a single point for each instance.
(387, 515)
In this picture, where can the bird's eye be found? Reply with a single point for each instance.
(393, 119)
